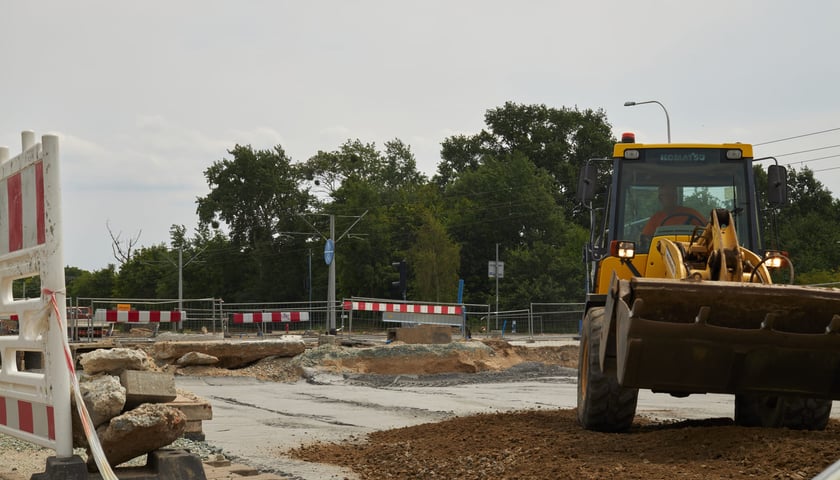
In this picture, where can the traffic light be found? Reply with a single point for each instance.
(399, 287)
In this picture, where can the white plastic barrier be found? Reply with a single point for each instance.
(34, 404)
(138, 316)
(270, 317)
(411, 313)
(403, 307)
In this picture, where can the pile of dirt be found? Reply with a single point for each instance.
(551, 444)
(398, 358)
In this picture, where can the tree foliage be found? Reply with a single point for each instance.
(557, 141)
(809, 226)
(259, 195)
(435, 260)
(96, 284)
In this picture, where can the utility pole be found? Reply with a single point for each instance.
(180, 279)
(331, 286)
(310, 279)
(181, 265)
(329, 258)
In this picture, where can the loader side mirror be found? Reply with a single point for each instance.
(777, 185)
(587, 183)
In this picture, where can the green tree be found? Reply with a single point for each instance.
(557, 141)
(434, 259)
(260, 195)
(387, 172)
(809, 226)
(546, 272)
(96, 284)
(507, 201)
(359, 178)
(143, 275)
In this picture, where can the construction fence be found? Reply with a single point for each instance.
(89, 318)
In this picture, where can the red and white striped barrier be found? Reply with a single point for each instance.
(270, 317)
(139, 316)
(403, 308)
(37, 419)
(34, 404)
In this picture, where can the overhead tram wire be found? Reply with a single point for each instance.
(827, 169)
(796, 136)
(802, 162)
(806, 151)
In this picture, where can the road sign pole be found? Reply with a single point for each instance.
(331, 287)
(496, 274)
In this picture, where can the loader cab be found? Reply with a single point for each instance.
(698, 177)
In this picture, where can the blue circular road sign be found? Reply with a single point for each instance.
(329, 251)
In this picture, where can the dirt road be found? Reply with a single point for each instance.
(551, 445)
(443, 439)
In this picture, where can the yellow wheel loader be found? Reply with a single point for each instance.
(681, 296)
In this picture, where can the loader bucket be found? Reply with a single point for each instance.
(682, 337)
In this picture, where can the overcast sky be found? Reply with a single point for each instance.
(146, 95)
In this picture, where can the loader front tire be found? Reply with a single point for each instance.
(603, 404)
(778, 411)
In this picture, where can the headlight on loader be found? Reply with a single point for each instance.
(773, 259)
(622, 249)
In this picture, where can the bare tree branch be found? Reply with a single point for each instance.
(122, 250)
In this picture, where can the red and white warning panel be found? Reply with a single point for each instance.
(270, 317)
(36, 419)
(403, 308)
(139, 316)
(22, 199)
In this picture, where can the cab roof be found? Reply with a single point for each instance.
(620, 148)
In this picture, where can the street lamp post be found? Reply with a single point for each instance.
(667, 118)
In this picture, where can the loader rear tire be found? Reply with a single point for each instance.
(603, 404)
(778, 411)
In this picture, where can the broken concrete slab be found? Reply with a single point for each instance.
(231, 353)
(421, 334)
(193, 408)
(147, 387)
(139, 431)
(115, 360)
(196, 410)
(104, 397)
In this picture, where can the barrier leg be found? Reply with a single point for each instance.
(160, 465)
(65, 468)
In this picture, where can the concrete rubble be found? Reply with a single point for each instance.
(104, 396)
(230, 354)
(115, 360)
(133, 405)
(147, 387)
(423, 334)
(192, 359)
(138, 431)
